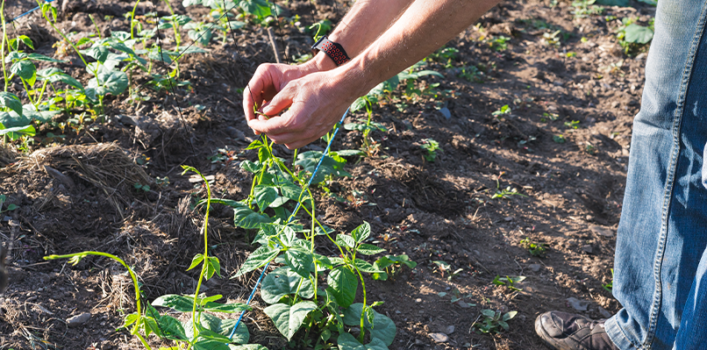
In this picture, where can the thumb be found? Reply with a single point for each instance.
(280, 102)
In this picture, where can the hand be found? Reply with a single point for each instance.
(269, 79)
(316, 102)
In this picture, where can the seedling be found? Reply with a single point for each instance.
(141, 187)
(506, 193)
(509, 282)
(430, 148)
(534, 248)
(552, 39)
(559, 139)
(549, 116)
(472, 74)
(445, 267)
(499, 43)
(586, 8)
(499, 113)
(610, 285)
(10, 207)
(493, 321)
(633, 37)
(589, 148)
(572, 125)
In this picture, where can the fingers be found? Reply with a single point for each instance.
(259, 87)
(281, 101)
(288, 122)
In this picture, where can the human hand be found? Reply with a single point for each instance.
(316, 102)
(269, 79)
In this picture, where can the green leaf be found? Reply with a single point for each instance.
(21, 130)
(212, 266)
(288, 319)
(215, 329)
(196, 261)
(115, 83)
(257, 259)
(638, 34)
(283, 281)
(98, 52)
(250, 166)
(247, 347)
(366, 267)
(24, 68)
(25, 39)
(369, 249)
(10, 101)
(362, 232)
(382, 328)
(300, 261)
(264, 196)
(38, 57)
(343, 284)
(257, 8)
(347, 341)
(168, 327)
(246, 218)
(345, 241)
(509, 315)
(180, 303)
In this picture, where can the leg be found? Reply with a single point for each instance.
(663, 231)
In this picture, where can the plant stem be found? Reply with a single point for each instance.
(363, 308)
(132, 276)
(2, 46)
(132, 19)
(205, 262)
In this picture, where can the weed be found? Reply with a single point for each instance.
(572, 124)
(430, 147)
(10, 207)
(534, 248)
(634, 38)
(586, 8)
(499, 113)
(559, 139)
(610, 285)
(507, 193)
(493, 321)
(140, 187)
(552, 39)
(589, 148)
(549, 116)
(499, 43)
(443, 267)
(509, 282)
(472, 74)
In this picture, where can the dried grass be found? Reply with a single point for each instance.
(104, 165)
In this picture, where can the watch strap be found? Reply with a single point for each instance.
(334, 50)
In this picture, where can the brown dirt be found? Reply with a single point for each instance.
(79, 193)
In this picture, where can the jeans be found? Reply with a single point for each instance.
(661, 249)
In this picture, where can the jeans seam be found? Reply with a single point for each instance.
(670, 178)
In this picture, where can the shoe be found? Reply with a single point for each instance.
(563, 331)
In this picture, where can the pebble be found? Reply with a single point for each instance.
(78, 320)
(439, 337)
(449, 330)
(534, 267)
(604, 313)
(418, 300)
(587, 248)
(579, 305)
(463, 304)
(602, 231)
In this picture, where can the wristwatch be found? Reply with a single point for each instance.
(334, 50)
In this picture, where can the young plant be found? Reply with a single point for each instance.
(509, 282)
(370, 147)
(430, 148)
(586, 8)
(443, 267)
(499, 113)
(610, 285)
(506, 193)
(10, 207)
(535, 249)
(493, 321)
(633, 37)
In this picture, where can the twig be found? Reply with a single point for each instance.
(274, 45)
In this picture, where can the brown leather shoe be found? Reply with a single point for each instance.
(563, 331)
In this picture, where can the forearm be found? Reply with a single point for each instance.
(424, 27)
(363, 24)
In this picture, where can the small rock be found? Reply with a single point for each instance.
(604, 313)
(602, 231)
(128, 120)
(579, 305)
(439, 337)
(590, 218)
(463, 304)
(78, 320)
(449, 330)
(534, 267)
(418, 300)
(508, 218)
(587, 248)
(615, 104)
(235, 133)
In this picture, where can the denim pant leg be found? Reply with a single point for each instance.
(662, 235)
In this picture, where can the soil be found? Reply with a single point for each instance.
(77, 193)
